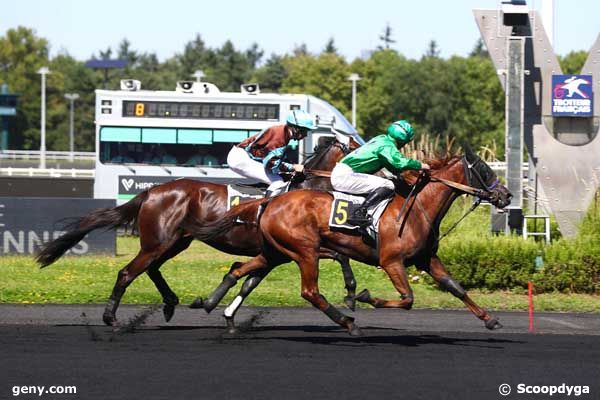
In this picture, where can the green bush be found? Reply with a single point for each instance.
(478, 259)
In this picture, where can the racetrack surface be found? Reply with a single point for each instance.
(294, 354)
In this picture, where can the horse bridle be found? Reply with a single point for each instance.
(343, 147)
(471, 171)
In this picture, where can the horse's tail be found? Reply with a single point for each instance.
(244, 214)
(109, 218)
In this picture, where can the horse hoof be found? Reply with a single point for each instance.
(364, 296)
(209, 305)
(168, 311)
(198, 303)
(350, 302)
(109, 320)
(493, 324)
(354, 330)
(232, 330)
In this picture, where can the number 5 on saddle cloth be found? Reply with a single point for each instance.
(343, 205)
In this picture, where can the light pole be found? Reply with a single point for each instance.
(354, 78)
(71, 97)
(198, 75)
(43, 72)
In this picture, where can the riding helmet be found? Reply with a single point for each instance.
(401, 131)
(301, 119)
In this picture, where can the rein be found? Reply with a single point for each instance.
(482, 194)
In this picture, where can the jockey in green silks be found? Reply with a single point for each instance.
(353, 174)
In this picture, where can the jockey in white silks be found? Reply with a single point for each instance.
(263, 156)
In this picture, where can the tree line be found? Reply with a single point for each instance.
(459, 96)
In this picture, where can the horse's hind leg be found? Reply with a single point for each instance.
(137, 266)
(438, 271)
(309, 272)
(170, 299)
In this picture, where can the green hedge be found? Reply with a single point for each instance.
(478, 259)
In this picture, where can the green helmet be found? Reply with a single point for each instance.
(401, 131)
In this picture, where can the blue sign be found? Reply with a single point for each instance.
(572, 96)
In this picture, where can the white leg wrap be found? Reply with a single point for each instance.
(232, 308)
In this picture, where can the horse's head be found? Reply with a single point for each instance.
(479, 175)
(329, 151)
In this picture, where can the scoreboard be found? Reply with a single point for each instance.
(196, 110)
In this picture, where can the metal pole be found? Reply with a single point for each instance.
(71, 97)
(71, 119)
(354, 104)
(198, 74)
(43, 71)
(354, 78)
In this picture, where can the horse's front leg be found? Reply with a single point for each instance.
(238, 270)
(438, 271)
(399, 278)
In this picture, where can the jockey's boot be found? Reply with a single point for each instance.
(360, 217)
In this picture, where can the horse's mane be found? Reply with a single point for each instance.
(439, 162)
(321, 149)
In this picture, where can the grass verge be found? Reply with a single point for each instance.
(199, 270)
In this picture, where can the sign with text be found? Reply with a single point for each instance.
(28, 222)
(132, 185)
(572, 96)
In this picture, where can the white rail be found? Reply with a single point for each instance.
(48, 172)
(497, 166)
(50, 155)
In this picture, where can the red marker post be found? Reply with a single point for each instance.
(530, 293)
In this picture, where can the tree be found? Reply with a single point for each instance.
(271, 75)
(386, 37)
(573, 62)
(126, 53)
(433, 50)
(324, 76)
(330, 47)
(22, 53)
(300, 50)
(479, 49)
(195, 56)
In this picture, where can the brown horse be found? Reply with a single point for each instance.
(158, 212)
(295, 226)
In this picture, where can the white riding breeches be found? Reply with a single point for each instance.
(240, 162)
(343, 179)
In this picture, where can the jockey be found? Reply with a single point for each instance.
(353, 173)
(263, 156)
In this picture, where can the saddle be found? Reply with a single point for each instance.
(240, 193)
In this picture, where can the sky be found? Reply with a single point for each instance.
(82, 27)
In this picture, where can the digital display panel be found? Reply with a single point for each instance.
(163, 109)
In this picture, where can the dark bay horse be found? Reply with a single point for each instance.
(295, 226)
(158, 212)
